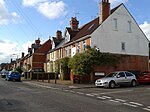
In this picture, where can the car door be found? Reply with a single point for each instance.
(121, 78)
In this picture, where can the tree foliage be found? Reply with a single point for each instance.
(82, 63)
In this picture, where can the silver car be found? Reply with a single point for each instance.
(116, 79)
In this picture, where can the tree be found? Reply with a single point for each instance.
(82, 63)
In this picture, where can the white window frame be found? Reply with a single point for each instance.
(84, 45)
(129, 26)
(115, 24)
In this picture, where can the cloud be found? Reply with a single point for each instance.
(31, 3)
(146, 29)
(5, 16)
(50, 9)
(8, 48)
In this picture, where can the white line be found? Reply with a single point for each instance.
(72, 91)
(148, 106)
(120, 100)
(130, 105)
(89, 95)
(94, 94)
(80, 93)
(136, 103)
(66, 90)
(114, 101)
(101, 98)
(146, 109)
(116, 92)
(107, 97)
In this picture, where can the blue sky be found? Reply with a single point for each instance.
(23, 21)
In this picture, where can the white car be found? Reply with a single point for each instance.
(116, 79)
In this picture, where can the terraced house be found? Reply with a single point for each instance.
(115, 31)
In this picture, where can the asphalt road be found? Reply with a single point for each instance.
(27, 97)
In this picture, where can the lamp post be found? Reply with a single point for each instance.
(16, 59)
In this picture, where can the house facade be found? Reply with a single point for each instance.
(36, 56)
(115, 31)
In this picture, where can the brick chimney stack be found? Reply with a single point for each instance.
(58, 34)
(74, 23)
(104, 10)
(37, 42)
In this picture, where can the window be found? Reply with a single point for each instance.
(115, 24)
(121, 74)
(128, 74)
(123, 46)
(78, 47)
(84, 45)
(66, 51)
(129, 26)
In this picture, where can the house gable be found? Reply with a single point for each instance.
(120, 34)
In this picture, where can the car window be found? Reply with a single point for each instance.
(121, 74)
(113, 74)
(144, 73)
(128, 74)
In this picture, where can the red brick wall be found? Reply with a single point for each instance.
(137, 63)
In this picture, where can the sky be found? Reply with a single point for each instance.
(24, 21)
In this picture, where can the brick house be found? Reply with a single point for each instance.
(115, 31)
(36, 56)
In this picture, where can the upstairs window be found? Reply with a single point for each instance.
(129, 27)
(84, 45)
(66, 51)
(115, 24)
(78, 47)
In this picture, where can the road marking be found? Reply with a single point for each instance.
(148, 106)
(89, 95)
(80, 93)
(120, 100)
(94, 94)
(107, 97)
(117, 92)
(101, 98)
(114, 101)
(136, 103)
(130, 105)
(72, 91)
(147, 109)
(66, 90)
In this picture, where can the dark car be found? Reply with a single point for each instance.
(13, 76)
(144, 77)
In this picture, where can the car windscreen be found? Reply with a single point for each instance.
(111, 74)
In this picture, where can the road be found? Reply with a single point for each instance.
(27, 97)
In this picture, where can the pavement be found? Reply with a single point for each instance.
(61, 84)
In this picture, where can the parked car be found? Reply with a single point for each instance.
(144, 77)
(3, 74)
(13, 76)
(118, 78)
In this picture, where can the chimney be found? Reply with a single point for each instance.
(104, 10)
(37, 42)
(74, 23)
(22, 55)
(58, 34)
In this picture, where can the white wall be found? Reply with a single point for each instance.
(109, 40)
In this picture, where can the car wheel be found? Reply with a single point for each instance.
(112, 84)
(133, 83)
